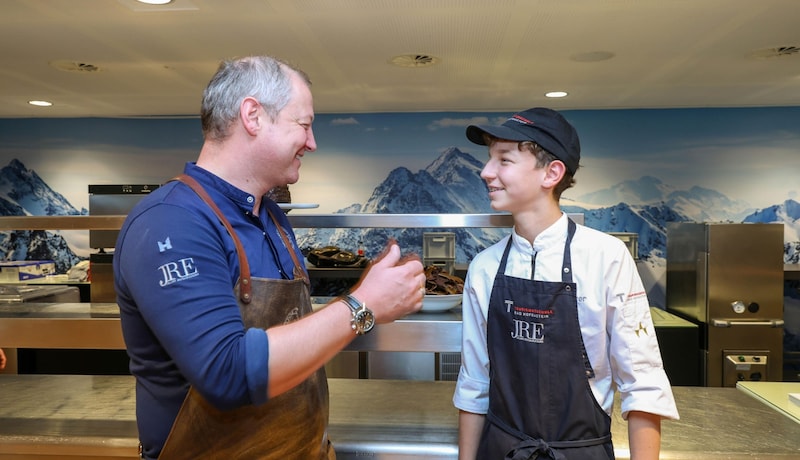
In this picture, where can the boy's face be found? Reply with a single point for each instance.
(513, 178)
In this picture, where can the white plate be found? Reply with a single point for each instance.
(433, 302)
(298, 205)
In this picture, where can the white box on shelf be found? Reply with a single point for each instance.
(438, 245)
(22, 270)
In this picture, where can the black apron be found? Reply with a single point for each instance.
(292, 425)
(540, 402)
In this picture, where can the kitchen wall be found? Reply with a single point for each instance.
(707, 164)
(639, 168)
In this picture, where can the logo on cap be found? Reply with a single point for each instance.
(520, 119)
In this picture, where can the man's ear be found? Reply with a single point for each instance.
(555, 171)
(249, 112)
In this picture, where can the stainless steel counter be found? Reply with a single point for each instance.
(93, 417)
(61, 325)
(96, 325)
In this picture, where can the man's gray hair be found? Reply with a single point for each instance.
(264, 78)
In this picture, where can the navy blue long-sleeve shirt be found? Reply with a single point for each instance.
(175, 267)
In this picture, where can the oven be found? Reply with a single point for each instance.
(728, 279)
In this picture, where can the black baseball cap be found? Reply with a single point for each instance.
(543, 126)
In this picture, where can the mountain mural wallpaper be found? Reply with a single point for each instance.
(639, 170)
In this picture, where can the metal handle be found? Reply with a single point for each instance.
(730, 323)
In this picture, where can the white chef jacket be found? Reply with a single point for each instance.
(613, 311)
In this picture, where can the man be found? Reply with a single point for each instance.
(213, 294)
(554, 316)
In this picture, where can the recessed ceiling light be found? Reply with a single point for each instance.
(414, 60)
(556, 94)
(776, 52)
(40, 103)
(158, 6)
(74, 66)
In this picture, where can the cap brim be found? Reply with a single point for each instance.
(475, 134)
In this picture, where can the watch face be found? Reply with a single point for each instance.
(365, 321)
(369, 321)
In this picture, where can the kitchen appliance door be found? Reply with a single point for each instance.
(745, 297)
(745, 264)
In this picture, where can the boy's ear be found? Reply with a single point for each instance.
(555, 171)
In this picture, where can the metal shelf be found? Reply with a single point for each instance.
(109, 222)
(114, 222)
(400, 220)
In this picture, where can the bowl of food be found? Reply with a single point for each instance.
(442, 290)
(440, 302)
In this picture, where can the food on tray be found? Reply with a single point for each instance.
(333, 256)
(439, 282)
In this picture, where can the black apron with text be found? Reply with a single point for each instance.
(540, 403)
(292, 425)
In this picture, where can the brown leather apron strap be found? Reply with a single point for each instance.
(245, 288)
(298, 269)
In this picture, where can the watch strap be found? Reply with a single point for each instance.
(363, 319)
(353, 303)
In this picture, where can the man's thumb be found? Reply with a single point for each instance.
(390, 255)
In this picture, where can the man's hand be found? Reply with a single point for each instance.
(393, 286)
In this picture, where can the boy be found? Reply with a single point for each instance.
(554, 316)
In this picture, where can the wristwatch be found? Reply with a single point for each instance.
(363, 319)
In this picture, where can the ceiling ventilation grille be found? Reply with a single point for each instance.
(414, 60)
(74, 66)
(777, 52)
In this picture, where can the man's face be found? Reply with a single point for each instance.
(289, 136)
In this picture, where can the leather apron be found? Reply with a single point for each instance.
(540, 403)
(292, 425)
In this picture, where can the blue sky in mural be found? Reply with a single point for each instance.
(729, 150)
(749, 154)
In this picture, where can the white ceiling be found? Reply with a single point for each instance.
(494, 55)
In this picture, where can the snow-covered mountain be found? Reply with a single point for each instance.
(23, 187)
(646, 189)
(787, 212)
(706, 205)
(698, 204)
(24, 193)
(648, 221)
(450, 184)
